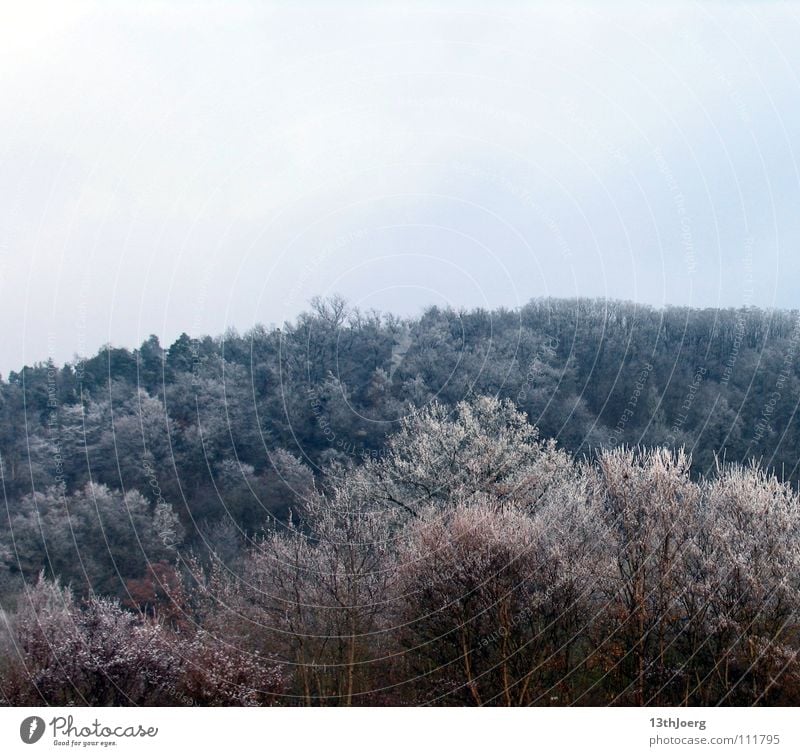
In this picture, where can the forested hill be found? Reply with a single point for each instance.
(224, 428)
(340, 512)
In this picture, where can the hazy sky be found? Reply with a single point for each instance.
(171, 166)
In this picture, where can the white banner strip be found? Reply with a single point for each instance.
(353, 732)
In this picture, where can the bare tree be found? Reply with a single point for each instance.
(646, 503)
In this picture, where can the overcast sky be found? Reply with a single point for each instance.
(169, 166)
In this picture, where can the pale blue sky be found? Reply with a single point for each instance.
(169, 167)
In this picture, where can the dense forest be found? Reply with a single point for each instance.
(576, 502)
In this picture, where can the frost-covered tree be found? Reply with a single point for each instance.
(441, 455)
(59, 653)
(489, 601)
(94, 538)
(751, 579)
(645, 505)
(316, 594)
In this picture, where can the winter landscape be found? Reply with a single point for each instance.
(418, 354)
